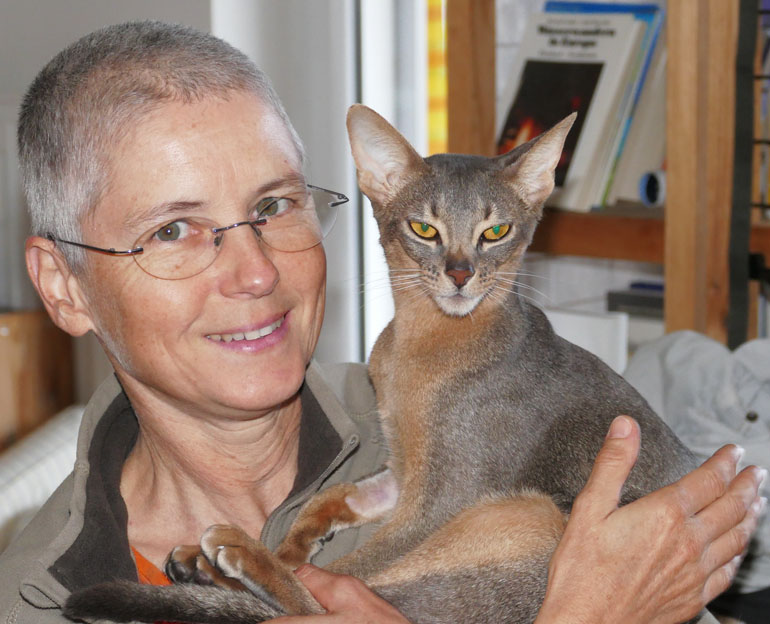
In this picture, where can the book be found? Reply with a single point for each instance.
(645, 146)
(650, 16)
(572, 62)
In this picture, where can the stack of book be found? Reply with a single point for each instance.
(607, 62)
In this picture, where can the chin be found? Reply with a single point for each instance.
(457, 305)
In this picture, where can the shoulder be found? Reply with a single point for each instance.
(347, 397)
(27, 558)
(348, 382)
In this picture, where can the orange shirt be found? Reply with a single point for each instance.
(148, 573)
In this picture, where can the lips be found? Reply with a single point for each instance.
(249, 335)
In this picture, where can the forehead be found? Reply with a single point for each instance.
(200, 152)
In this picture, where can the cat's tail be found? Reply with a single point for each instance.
(124, 601)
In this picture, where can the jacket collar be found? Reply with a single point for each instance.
(93, 545)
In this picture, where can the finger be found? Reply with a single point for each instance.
(720, 580)
(601, 493)
(733, 543)
(332, 591)
(709, 481)
(317, 581)
(731, 507)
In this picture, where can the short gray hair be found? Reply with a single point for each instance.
(86, 98)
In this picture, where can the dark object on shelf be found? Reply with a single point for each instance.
(758, 270)
(640, 302)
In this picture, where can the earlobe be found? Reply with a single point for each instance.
(58, 288)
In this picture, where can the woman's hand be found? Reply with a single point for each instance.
(661, 558)
(346, 600)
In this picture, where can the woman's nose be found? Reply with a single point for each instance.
(244, 267)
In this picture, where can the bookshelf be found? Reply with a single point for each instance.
(690, 238)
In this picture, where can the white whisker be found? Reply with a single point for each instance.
(522, 285)
(518, 294)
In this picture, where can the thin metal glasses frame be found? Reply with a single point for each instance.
(341, 199)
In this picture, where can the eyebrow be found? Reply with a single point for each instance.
(137, 219)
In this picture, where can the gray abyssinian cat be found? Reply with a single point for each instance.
(492, 420)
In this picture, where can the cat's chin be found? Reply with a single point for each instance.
(457, 305)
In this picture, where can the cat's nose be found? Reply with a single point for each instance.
(460, 273)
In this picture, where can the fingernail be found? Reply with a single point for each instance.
(620, 428)
(304, 570)
(761, 506)
(762, 477)
(738, 453)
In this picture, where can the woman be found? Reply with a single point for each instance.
(144, 149)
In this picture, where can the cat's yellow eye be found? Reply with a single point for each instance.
(423, 230)
(496, 232)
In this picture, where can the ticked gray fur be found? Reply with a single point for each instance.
(480, 399)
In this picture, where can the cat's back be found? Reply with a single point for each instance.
(575, 398)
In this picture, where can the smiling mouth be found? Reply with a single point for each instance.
(252, 335)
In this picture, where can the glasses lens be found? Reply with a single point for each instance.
(186, 247)
(294, 225)
(177, 250)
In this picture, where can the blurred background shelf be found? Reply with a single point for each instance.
(627, 232)
(691, 238)
(36, 372)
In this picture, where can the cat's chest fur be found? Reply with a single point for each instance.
(423, 365)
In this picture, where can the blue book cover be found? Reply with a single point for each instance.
(651, 15)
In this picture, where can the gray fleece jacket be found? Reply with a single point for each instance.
(79, 537)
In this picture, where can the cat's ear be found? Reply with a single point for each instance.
(531, 167)
(384, 159)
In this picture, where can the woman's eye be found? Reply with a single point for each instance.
(423, 230)
(172, 231)
(496, 232)
(272, 206)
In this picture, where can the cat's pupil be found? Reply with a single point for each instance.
(424, 227)
(496, 229)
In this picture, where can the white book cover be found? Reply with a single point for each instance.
(645, 148)
(571, 62)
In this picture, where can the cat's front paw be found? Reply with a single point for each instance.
(236, 555)
(187, 564)
(180, 565)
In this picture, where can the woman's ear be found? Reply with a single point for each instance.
(58, 287)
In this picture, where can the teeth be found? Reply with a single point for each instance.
(252, 335)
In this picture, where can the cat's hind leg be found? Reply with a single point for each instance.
(487, 564)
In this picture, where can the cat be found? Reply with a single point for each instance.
(492, 420)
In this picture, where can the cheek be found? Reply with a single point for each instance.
(305, 274)
(134, 314)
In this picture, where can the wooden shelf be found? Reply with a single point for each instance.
(35, 372)
(619, 235)
(633, 233)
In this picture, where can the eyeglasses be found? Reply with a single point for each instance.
(187, 246)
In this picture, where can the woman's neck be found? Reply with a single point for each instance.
(186, 473)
